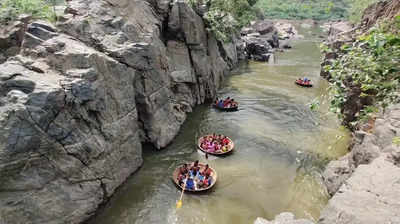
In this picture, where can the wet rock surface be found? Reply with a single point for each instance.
(78, 100)
(283, 218)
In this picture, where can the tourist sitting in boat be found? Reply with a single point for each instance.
(183, 169)
(193, 172)
(225, 141)
(233, 104)
(206, 170)
(303, 81)
(220, 104)
(190, 184)
(200, 177)
(207, 180)
(196, 163)
(203, 183)
(181, 178)
(227, 101)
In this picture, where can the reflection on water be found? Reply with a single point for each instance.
(281, 149)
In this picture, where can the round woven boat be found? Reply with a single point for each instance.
(227, 109)
(302, 84)
(231, 146)
(213, 175)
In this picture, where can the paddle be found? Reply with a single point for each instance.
(179, 203)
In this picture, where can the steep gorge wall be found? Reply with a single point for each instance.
(365, 183)
(81, 97)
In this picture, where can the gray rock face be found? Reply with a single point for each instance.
(66, 143)
(264, 27)
(286, 30)
(336, 173)
(370, 196)
(365, 183)
(336, 29)
(10, 40)
(79, 100)
(283, 218)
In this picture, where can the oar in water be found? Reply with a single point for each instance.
(179, 203)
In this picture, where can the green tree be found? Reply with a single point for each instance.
(226, 17)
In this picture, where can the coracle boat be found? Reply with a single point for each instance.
(231, 145)
(226, 109)
(301, 83)
(213, 181)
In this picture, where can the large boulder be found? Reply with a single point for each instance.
(338, 29)
(264, 27)
(286, 30)
(258, 48)
(66, 142)
(336, 173)
(11, 37)
(283, 218)
(368, 175)
(369, 196)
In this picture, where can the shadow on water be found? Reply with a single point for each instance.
(281, 148)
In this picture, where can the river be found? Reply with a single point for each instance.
(281, 149)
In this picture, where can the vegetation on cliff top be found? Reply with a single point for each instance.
(225, 17)
(39, 9)
(372, 64)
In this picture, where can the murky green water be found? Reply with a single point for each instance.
(281, 149)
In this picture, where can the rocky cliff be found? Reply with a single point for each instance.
(343, 33)
(78, 99)
(365, 182)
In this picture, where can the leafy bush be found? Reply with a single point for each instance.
(372, 63)
(225, 17)
(11, 9)
(222, 24)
